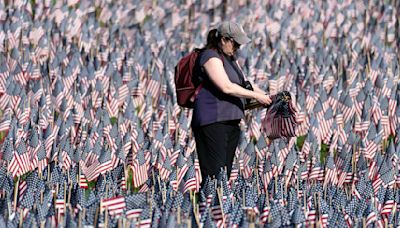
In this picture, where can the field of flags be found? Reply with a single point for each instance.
(92, 134)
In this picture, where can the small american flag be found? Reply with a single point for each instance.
(114, 205)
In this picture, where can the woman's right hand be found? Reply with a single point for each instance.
(263, 98)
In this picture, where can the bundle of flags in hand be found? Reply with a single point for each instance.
(92, 134)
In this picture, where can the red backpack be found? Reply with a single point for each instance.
(186, 90)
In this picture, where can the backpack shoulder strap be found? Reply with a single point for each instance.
(196, 92)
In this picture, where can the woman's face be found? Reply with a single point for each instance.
(229, 46)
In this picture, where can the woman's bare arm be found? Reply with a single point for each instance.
(215, 69)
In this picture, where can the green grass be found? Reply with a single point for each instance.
(324, 152)
(2, 136)
(33, 6)
(129, 181)
(324, 148)
(21, 178)
(91, 185)
(113, 120)
(300, 141)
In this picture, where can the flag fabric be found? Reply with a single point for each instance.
(139, 169)
(114, 205)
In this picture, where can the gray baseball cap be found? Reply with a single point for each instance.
(233, 30)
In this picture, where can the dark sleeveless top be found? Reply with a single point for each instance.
(211, 104)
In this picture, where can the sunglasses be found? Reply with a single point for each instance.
(236, 45)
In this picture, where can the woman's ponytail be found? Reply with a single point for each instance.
(213, 39)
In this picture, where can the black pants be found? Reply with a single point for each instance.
(216, 145)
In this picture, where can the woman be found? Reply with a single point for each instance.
(219, 104)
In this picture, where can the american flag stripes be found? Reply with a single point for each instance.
(114, 205)
(139, 169)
